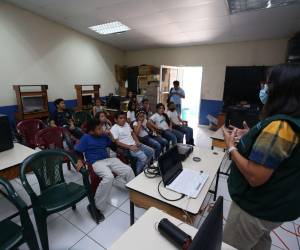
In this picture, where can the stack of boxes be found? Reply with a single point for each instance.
(121, 76)
(148, 83)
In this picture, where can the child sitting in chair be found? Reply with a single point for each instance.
(94, 147)
(179, 124)
(125, 138)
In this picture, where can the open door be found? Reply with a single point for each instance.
(190, 79)
(168, 74)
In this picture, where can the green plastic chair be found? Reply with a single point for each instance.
(12, 235)
(82, 117)
(56, 194)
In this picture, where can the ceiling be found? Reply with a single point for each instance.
(168, 23)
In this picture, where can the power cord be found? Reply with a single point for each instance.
(158, 188)
(151, 172)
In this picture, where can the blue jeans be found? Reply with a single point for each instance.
(173, 135)
(143, 157)
(155, 142)
(188, 131)
(178, 108)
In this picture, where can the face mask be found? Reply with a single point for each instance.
(263, 94)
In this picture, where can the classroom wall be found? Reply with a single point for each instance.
(214, 59)
(35, 50)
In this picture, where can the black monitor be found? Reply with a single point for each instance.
(87, 100)
(114, 102)
(210, 234)
(169, 165)
(32, 104)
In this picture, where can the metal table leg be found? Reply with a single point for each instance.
(131, 213)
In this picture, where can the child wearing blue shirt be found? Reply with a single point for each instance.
(94, 147)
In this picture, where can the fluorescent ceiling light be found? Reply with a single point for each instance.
(110, 28)
(236, 6)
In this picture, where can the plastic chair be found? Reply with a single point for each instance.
(56, 195)
(27, 129)
(12, 235)
(51, 138)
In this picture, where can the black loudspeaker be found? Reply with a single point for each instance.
(6, 138)
(293, 50)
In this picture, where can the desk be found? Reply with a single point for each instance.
(143, 191)
(11, 159)
(218, 139)
(143, 235)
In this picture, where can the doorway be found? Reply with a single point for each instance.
(190, 79)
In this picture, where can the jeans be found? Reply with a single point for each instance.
(188, 131)
(173, 135)
(178, 108)
(155, 142)
(143, 156)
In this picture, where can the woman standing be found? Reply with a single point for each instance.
(264, 182)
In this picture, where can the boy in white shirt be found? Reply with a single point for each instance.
(159, 121)
(143, 133)
(125, 138)
(179, 124)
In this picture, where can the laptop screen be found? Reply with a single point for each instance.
(169, 165)
(210, 234)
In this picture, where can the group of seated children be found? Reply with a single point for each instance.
(143, 136)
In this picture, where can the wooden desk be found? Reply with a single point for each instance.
(218, 139)
(11, 159)
(143, 235)
(143, 191)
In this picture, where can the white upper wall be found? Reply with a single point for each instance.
(214, 59)
(34, 50)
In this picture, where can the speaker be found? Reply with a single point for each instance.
(6, 138)
(293, 49)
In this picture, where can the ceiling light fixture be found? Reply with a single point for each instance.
(236, 6)
(110, 28)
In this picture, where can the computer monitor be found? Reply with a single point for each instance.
(169, 165)
(210, 234)
(87, 100)
(114, 102)
(32, 104)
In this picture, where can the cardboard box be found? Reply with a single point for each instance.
(148, 70)
(122, 91)
(121, 73)
(152, 78)
(142, 81)
(122, 84)
(145, 70)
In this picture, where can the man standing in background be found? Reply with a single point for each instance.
(176, 93)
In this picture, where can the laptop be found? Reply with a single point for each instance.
(210, 234)
(184, 181)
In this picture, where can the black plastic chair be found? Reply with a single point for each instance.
(12, 235)
(56, 195)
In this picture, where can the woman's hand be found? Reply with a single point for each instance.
(240, 132)
(229, 137)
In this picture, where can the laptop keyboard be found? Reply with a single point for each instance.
(189, 182)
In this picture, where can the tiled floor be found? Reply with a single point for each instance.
(77, 231)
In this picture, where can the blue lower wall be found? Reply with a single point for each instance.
(212, 107)
(12, 109)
